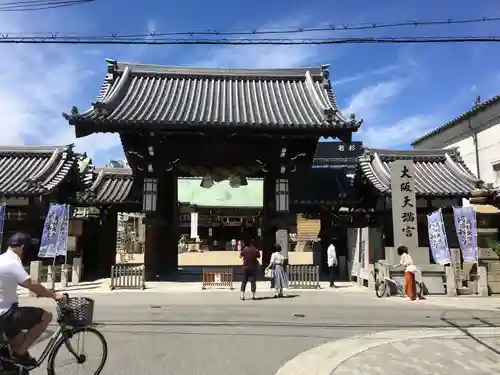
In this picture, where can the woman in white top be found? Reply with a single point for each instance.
(280, 278)
(407, 262)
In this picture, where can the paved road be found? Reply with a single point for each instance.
(216, 333)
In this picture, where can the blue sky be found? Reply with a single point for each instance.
(401, 91)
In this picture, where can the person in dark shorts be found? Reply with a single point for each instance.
(250, 256)
(14, 320)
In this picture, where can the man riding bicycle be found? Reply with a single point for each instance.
(14, 319)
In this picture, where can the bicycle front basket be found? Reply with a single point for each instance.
(76, 312)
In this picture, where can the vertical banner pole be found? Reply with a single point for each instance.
(450, 255)
(477, 249)
(3, 209)
(466, 229)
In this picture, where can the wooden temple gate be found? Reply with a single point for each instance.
(242, 123)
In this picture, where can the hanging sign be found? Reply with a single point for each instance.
(51, 231)
(466, 228)
(62, 240)
(437, 238)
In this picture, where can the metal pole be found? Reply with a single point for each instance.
(4, 211)
(452, 263)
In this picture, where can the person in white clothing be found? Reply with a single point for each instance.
(406, 261)
(332, 263)
(14, 319)
(280, 278)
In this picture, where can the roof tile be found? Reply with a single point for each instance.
(437, 172)
(34, 170)
(134, 94)
(111, 185)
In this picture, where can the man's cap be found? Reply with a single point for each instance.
(20, 239)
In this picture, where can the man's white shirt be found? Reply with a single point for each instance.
(12, 273)
(332, 256)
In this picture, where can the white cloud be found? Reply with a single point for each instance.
(39, 82)
(260, 57)
(367, 74)
(365, 103)
(273, 56)
(401, 133)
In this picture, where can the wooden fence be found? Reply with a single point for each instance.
(127, 276)
(303, 277)
(218, 278)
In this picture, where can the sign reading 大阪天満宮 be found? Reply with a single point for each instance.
(404, 204)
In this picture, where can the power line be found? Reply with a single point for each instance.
(55, 39)
(331, 27)
(271, 30)
(32, 5)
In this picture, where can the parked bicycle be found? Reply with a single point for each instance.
(381, 289)
(75, 318)
(384, 286)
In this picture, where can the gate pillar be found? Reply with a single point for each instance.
(325, 235)
(268, 215)
(162, 232)
(107, 251)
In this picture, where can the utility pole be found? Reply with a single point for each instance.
(477, 103)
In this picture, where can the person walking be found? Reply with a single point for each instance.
(279, 276)
(250, 256)
(410, 269)
(332, 260)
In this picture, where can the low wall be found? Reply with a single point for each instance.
(52, 274)
(217, 258)
(433, 276)
(232, 258)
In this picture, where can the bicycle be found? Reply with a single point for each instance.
(382, 285)
(75, 316)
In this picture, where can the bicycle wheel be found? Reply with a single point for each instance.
(418, 289)
(86, 331)
(380, 291)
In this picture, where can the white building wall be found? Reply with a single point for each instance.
(487, 125)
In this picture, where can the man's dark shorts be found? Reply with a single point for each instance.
(20, 319)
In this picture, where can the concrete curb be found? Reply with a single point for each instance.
(326, 358)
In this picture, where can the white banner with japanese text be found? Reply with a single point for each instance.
(404, 204)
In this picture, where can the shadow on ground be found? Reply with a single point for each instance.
(287, 296)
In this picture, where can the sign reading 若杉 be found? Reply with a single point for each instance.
(404, 204)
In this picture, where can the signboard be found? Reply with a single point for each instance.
(362, 254)
(404, 204)
(334, 154)
(194, 225)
